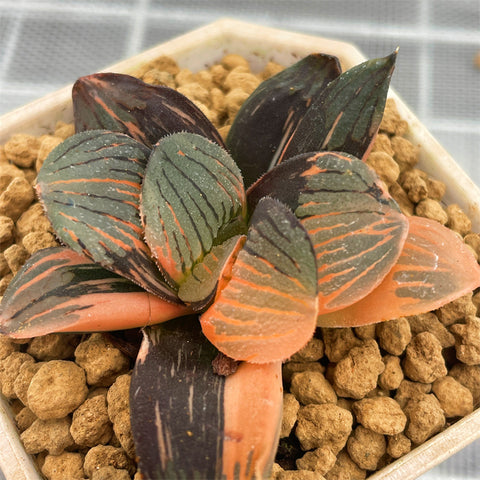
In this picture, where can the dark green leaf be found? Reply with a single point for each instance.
(58, 290)
(270, 115)
(346, 116)
(90, 187)
(200, 284)
(192, 190)
(121, 103)
(189, 423)
(355, 226)
(267, 310)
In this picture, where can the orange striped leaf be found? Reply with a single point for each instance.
(192, 192)
(58, 290)
(346, 116)
(90, 187)
(272, 112)
(189, 422)
(355, 227)
(435, 267)
(121, 103)
(267, 310)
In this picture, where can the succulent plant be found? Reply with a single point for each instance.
(151, 207)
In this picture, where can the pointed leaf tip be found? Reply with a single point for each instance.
(346, 115)
(273, 111)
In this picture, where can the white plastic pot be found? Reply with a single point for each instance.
(197, 50)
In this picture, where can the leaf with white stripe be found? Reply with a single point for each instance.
(190, 423)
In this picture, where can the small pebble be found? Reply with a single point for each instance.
(380, 414)
(67, 465)
(50, 435)
(455, 399)
(358, 372)
(424, 361)
(102, 362)
(394, 335)
(312, 387)
(289, 415)
(57, 389)
(425, 418)
(467, 340)
(324, 425)
(366, 447)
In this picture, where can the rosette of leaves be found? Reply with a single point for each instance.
(157, 224)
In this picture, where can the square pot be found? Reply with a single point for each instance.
(201, 48)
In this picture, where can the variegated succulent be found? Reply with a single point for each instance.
(253, 243)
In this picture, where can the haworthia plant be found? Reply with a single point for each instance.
(157, 225)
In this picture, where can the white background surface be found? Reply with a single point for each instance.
(45, 44)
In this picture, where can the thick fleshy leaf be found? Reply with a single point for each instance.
(58, 290)
(347, 115)
(199, 287)
(266, 312)
(253, 408)
(271, 114)
(435, 267)
(121, 103)
(188, 422)
(192, 191)
(90, 187)
(355, 226)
